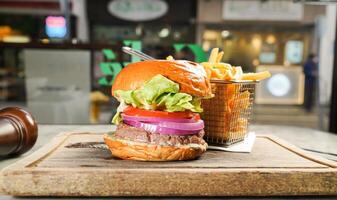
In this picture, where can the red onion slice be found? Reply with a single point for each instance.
(156, 119)
(155, 128)
(194, 126)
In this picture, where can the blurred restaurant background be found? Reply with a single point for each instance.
(58, 58)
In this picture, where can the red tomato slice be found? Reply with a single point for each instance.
(163, 114)
(196, 116)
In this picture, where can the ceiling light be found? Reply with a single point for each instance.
(225, 33)
(164, 32)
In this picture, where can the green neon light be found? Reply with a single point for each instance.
(109, 69)
(109, 54)
(196, 49)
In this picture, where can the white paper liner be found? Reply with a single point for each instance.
(245, 146)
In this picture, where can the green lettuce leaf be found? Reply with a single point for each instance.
(159, 93)
(180, 102)
(117, 118)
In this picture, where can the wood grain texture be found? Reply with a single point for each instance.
(274, 167)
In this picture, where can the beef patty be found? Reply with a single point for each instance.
(125, 131)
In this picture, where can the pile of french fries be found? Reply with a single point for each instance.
(224, 115)
(218, 70)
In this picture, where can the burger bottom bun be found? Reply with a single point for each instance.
(130, 150)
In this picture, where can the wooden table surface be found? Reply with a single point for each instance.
(302, 137)
(305, 138)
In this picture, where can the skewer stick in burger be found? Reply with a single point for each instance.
(158, 116)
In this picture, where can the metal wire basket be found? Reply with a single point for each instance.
(227, 114)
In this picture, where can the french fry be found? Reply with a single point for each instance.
(242, 101)
(207, 65)
(216, 73)
(224, 71)
(169, 58)
(238, 73)
(231, 90)
(219, 57)
(223, 66)
(208, 72)
(256, 76)
(228, 75)
(214, 55)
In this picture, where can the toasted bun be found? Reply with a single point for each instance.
(190, 76)
(130, 150)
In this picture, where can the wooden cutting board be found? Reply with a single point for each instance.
(274, 167)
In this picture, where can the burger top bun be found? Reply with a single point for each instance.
(190, 76)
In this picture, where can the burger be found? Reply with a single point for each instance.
(158, 116)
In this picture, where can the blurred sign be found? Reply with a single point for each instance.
(267, 57)
(56, 26)
(140, 10)
(268, 53)
(286, 86)
(294, 51)
(282, 10)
